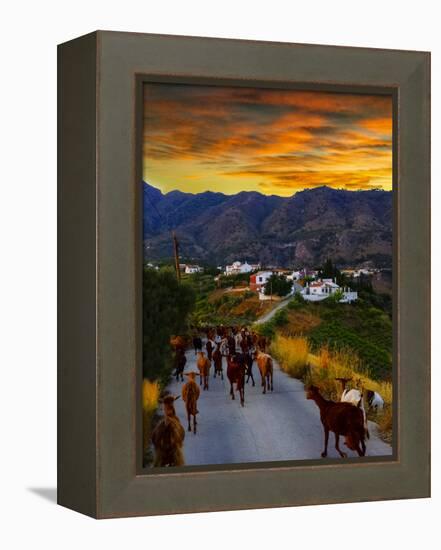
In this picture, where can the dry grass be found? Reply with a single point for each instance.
(294, 357)
(384, 420)
(299, 323)
(150, 398)
(150, 395)
(251, 307)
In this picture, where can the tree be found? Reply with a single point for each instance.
(278, 284)
(330, 271)
(335, 297)
(166, 307)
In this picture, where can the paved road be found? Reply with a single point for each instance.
(282, 425)
(271, 313)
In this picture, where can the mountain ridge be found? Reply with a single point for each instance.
(303, 229)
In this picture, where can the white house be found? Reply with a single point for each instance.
(239, 267)
(356, 273)
(259, 280)
(294, 276)
(322, 289)
(190, 269)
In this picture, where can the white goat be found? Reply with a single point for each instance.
(374, 400)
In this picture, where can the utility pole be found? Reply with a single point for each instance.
(176, 253)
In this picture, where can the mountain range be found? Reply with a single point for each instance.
(350, 227)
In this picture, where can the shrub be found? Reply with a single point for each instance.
(297, 302)
(150, 397)
(167, 305)
(280, 318)
(324, 358)
(334, 298)
(265, 329)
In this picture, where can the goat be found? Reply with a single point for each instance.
(374, 400)
(231, 345)
(180, 361)
(236, 375)
(265, 365)
(168, 436)
(354, 397)
(178, 343)
(224, 348)
(209, 345)
(237, 340)
(190, 395)
(341, 418)
(217, 360)
(203, 364)
(261, 343)
(197, 344)
(249, 365)
(244, 345)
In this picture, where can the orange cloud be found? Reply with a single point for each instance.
(230, 139)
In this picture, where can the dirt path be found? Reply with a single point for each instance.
(282, 425)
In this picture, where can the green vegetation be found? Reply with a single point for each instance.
(234, 281)
(269, 328)
(167, 305)
(278, 285)
(360, 327)
(297, 301)
(225, 301)
(376, 360)
(166, 308)
(330, 271)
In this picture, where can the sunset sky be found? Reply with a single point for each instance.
(199, 138)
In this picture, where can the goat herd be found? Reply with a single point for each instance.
(241, 348)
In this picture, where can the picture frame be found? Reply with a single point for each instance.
(99, 85)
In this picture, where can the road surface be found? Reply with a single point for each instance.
(282, 425)
(271, 313)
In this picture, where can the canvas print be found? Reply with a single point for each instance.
(267, 275)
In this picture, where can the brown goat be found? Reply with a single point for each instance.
(203, 364)
(261, 343)
(217, 360)
(236, 374)
(178, 343)
(342, 419)
(265, 366)
(168, 436)
(190, 395)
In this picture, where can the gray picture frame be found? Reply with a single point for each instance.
(99, 357)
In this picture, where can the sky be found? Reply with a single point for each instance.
(232, 139)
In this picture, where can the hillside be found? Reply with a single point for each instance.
(302, 230)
